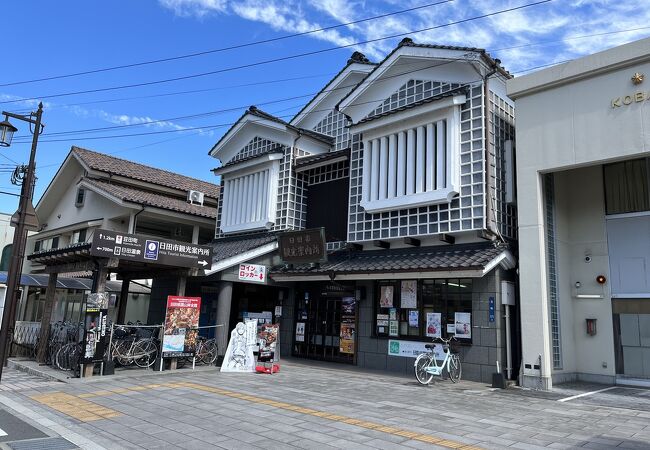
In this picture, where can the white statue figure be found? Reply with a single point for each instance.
(239, 355)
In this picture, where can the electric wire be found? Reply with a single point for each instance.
(232, 47)
(279, 59)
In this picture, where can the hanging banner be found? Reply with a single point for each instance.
(434, 326)
(300, 331)
(386, 299)
(181, 320)
(239, 355)
(409, 294)
(95, 338)
(346, 343)
(463, 325)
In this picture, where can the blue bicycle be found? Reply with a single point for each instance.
(426, 365)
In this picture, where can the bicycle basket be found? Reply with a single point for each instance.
(144, 333)
(454, 346)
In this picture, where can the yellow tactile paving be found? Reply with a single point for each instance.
(75, 407)
(81, 409)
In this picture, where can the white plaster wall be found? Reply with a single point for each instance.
(584, 234)
(558, 128)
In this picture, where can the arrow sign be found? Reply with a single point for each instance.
(203, 263)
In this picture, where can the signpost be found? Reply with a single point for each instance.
(304, 246)
(137, 248)
(252, 272)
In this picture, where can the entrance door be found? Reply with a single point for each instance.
(632, 337)
(318, 327)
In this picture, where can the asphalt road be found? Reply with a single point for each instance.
(14, 429)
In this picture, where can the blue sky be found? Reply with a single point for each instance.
(57, 38)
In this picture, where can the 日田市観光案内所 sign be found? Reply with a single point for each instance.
(137, 248)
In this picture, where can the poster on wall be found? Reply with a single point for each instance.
(386, 298)
(392, 314)
(239, 354)
(434, 325)
(181, 320)
(409, 294)
(346, 343)
(267, 339)
(463, 322)
(393, 328)
(413, 319)
(300, 331)
(95, 338)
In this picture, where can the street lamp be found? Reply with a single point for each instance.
(24, 219)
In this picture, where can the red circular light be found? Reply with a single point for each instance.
(600, 279)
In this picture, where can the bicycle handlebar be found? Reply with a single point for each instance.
(445, 341)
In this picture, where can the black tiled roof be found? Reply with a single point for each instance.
(312, 159)
(255, 111)
(451, 93)
(408, 42)
(228, 247)
(431, 259)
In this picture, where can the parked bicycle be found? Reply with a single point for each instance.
(206, 350)
(426, 365)
(137, 346)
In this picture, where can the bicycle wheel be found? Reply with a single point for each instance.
(455, 369)
(209, 352)
(422, 362)
(145, 353)
(122, 353)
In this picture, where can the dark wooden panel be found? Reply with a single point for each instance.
(327, 206)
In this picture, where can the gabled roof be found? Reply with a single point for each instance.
(356, 58)
(256, 112)
(408, 42)
(117, 166)
(143, 197)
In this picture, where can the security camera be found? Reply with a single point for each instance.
(588, 259)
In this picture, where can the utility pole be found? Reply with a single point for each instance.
(24, 219)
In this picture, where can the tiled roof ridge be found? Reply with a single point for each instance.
(212, 192)
(260, 113)
(170, 202)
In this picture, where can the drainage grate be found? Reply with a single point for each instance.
(42, 444)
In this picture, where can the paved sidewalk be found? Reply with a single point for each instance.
(14, 380)
(322, 407)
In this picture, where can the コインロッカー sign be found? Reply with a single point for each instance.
(304, 246)
(137, 248)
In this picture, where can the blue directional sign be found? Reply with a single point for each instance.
(491, 308)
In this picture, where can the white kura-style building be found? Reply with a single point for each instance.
(583, 168)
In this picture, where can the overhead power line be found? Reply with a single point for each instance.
(221, 125)
(231, 47)
(279, 59)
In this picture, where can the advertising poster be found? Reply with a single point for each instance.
(392, 314)
(410, 349)
(409, 295)
(346, 344)
(413, 319)
(181, 320)
(463, 325)
(434, 325)
(386, 299)
(239, 354)
(393, 328)
(300, 331)
(95, 338)
(348, 306)
(267, 339)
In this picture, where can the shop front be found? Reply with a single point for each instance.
(358, 309)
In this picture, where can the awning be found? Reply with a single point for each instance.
(463, 261)
(230, 251)
(40, 280)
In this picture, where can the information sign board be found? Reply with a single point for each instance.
(137, 248)
(181, 321)
(304, 246)
(252, 272)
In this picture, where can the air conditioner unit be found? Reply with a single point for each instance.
(195, 197)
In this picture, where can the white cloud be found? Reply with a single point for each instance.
(198, 8)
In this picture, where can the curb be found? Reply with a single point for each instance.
(18, 365)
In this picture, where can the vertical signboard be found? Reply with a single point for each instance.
(95, 318)
(181, 320)
(348, 325)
